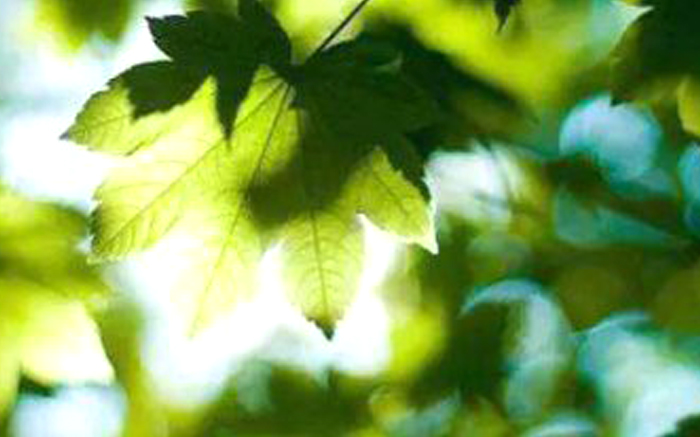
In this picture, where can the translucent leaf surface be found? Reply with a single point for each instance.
(246, 150)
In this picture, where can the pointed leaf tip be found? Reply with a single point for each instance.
(326, 327)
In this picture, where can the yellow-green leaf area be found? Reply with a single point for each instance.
(48, 293)
(244, 151)
(689, 105)
(71, 24)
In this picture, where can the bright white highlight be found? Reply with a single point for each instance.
(476, 185)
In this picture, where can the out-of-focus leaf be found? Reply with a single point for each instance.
(72, 23)
(47, 294)
(675, 305)
(243, 149)
(482, 333)
(30, 386)
(618, 357)
(503, 9)
(659, 49)
(689, 105)
(593, 284)
(482, 419)
(658, 53)
(490, 357)
(457, 90)
(212, 5)
(586, 182)
(688, 427)
(424, 294)
(629, 252)
(122, 327)
(296, 404)
(591, 293)
(536, 58)
(9, 372)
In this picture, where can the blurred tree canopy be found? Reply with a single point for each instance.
(533, 163)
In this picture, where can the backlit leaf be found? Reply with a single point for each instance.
(245, 150)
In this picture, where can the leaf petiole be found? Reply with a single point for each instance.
(343, 24)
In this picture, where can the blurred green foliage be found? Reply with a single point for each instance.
(70, 24)
(564, 168)
(48, 294)
(658, 58)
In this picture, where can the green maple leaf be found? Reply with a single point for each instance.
(232, 143)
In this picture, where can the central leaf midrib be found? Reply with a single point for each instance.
(314, 226)
(239, 207)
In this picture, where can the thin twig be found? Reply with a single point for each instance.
(343, 24)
